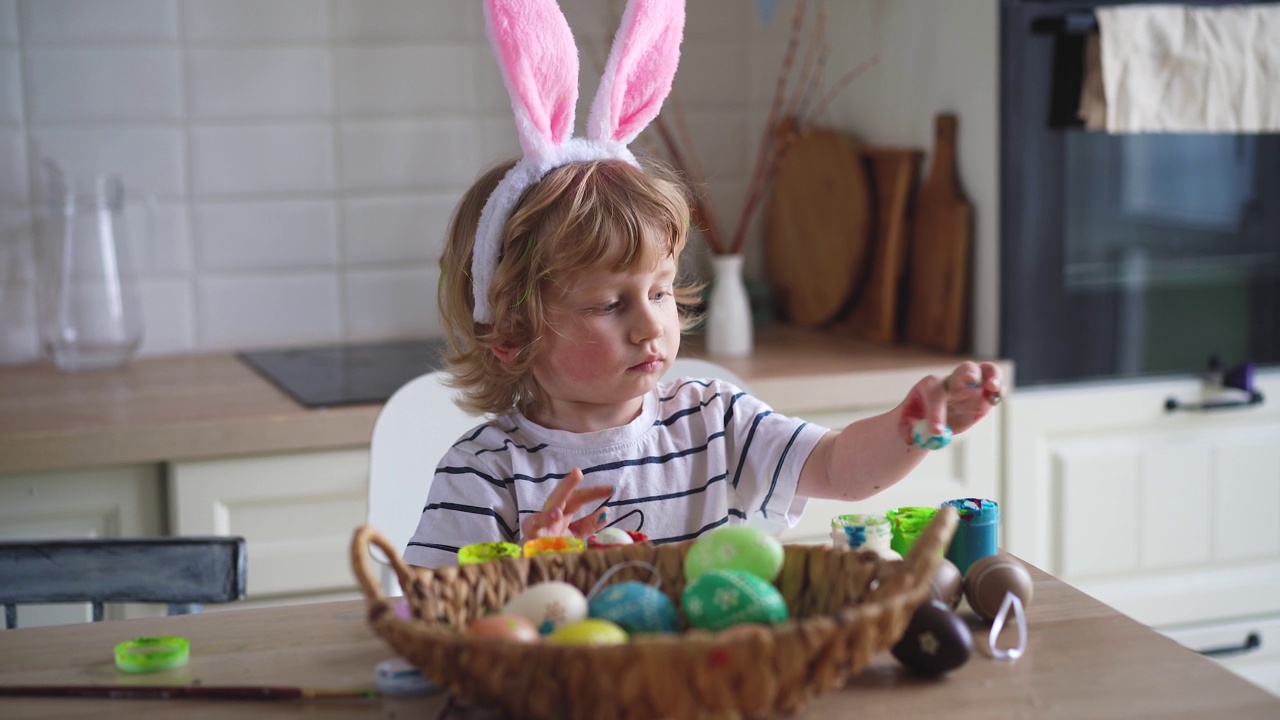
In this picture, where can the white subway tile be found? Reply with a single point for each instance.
(259, 82)
(14, 190)
(161, 238)
(392, 230)
(99, 20)
(724, 19)
(397, 155)
(387, 304)
(10, 87)
(19, 340)
(720, 141)
(405, 20)
(406, 79)
(247, 159)
(712, 74)
(491, 94)
(168, 316)
(267, 311)
(265, 236)
(255, 20)
(104, 83)
(8, 22)
(498, 141)
(148, 158)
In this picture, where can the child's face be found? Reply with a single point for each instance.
(612, 337)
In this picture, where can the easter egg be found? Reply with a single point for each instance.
(990, 578)
(922, 435)
(549, 605)
(721, 598)
(506, 627)
(636, 607)
(591, 631)
(936, 640)
(947, 584)
(613, 536)
(740, 547)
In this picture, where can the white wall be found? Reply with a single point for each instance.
(306, 154)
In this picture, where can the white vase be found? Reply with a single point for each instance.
(729, 331)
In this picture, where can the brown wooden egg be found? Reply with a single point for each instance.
(989, 579)
(947, 584)
(936, 641)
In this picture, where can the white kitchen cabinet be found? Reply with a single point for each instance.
(968, 467)
(1172, 517)
(295, 511)
(107, 502)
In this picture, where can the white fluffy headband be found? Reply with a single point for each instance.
(539, 63)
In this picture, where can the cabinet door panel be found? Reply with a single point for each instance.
(92, 503)
(295, 512)
(1173, 517)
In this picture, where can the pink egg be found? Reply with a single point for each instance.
(507, 627)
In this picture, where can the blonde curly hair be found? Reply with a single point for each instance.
(582, 216)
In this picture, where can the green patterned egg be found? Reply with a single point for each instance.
(739, 547)
(722, 598)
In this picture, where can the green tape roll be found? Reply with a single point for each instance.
(152, 654)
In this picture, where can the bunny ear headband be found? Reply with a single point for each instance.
(539, 63)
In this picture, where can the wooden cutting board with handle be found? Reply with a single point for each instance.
(817, 226)
(875, 305)
(938, 274)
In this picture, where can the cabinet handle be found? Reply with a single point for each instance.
(1255, 398)
(1251, 643)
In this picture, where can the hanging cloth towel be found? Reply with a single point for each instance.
(1175, 68)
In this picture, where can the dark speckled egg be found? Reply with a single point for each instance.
(936, 641)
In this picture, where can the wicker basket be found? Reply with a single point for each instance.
(844, 606)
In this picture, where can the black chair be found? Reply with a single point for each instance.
(181, 571)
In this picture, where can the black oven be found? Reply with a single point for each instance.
(1124, 256)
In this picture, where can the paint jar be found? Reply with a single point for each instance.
(907, 524)
(977, 533)
(864, 530)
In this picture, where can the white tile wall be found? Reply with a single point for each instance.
(305, 155)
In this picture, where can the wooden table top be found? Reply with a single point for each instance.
(1084, 660)
(205, 406)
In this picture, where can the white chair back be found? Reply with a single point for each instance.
(412, 432)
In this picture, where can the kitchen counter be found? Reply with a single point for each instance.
(206, 406)
(1083, 660)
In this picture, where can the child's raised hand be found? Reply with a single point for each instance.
(565, 500)
(959, 400)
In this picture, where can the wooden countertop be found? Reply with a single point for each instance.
(1084, 660)
(204, 406)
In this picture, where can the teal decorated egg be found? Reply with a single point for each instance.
(636, 607)
(740, 547)
(721, 598)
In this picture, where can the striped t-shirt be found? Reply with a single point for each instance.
(701, 454)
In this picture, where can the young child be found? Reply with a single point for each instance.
(562, 304)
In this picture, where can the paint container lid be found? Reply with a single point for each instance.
(398, 677)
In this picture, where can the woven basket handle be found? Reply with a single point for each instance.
(365, 574)
(932, 543)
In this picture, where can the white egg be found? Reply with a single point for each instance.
(613, 536)
(549, 605)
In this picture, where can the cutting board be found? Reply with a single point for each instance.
(941, 236)
(817, 226)
(875, 306)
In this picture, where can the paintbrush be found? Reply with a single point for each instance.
(177, 692)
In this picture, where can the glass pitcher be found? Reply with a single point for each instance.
(87, 299)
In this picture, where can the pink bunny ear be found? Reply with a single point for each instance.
(642, 64)
(539, 63)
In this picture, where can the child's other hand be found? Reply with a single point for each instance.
(960, 399)
(563, 502)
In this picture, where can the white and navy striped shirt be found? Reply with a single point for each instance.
(701, 454)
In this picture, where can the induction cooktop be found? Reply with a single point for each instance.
(348, 374)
